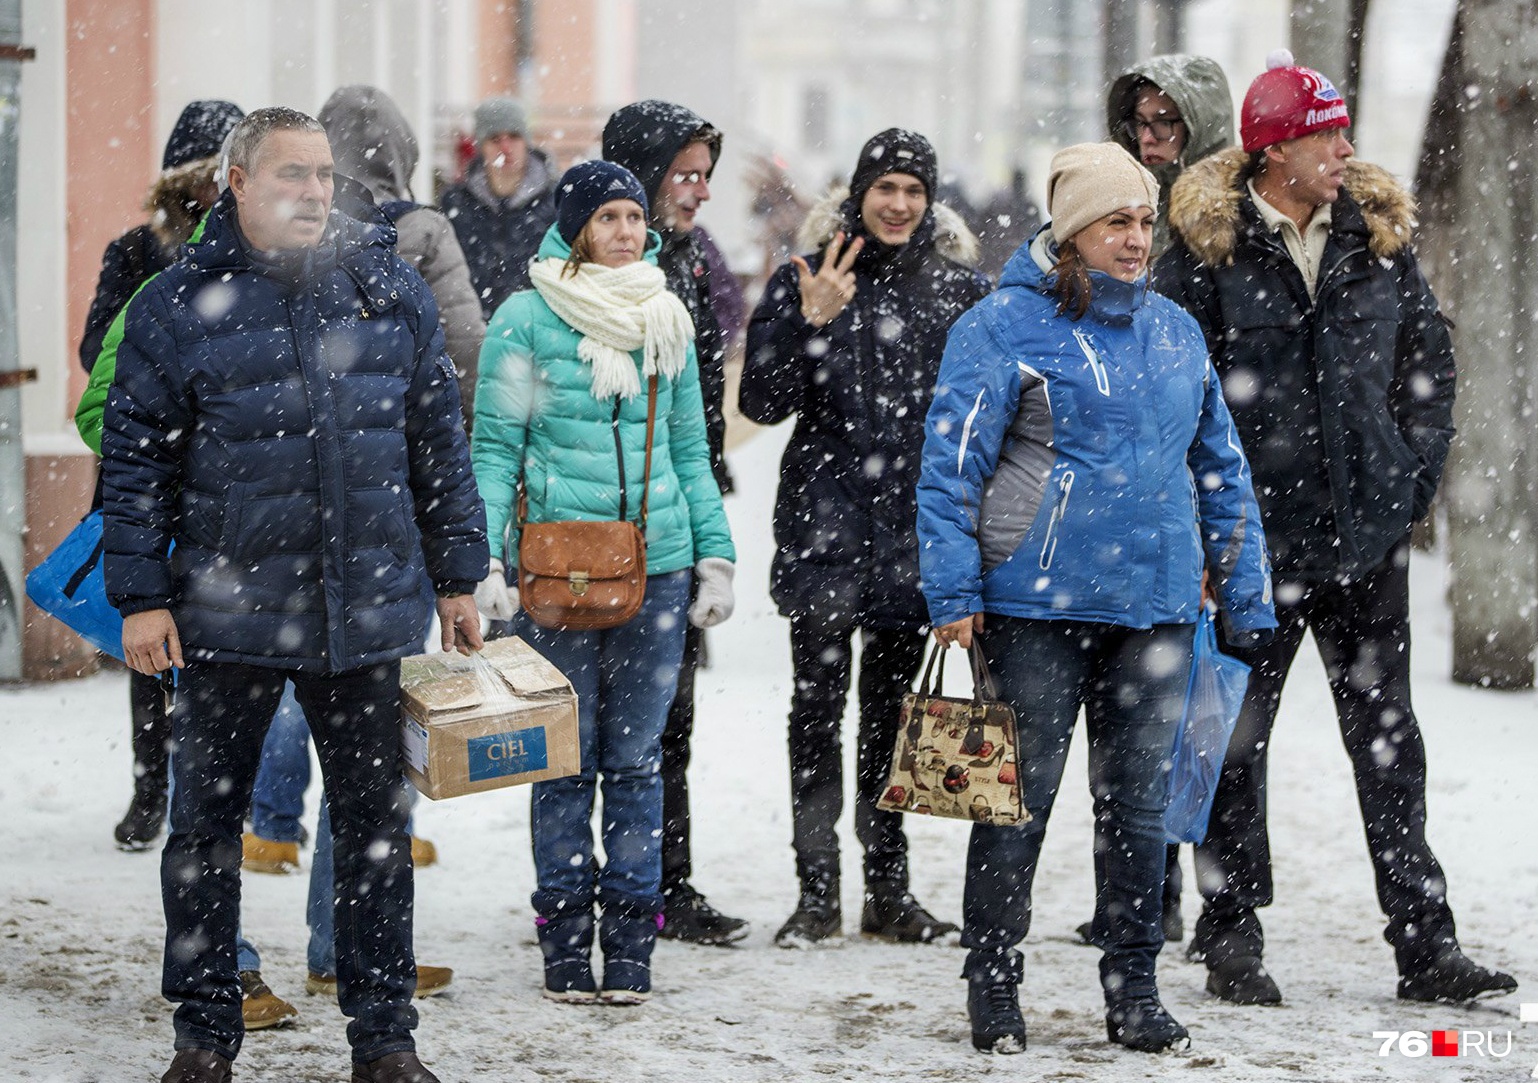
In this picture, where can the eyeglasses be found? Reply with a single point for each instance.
(692, 177)
(1162, 130)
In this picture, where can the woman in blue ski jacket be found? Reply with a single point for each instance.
(1080, 477)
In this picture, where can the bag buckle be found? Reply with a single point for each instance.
(578, 583)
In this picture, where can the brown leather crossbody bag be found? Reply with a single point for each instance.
(585, 575)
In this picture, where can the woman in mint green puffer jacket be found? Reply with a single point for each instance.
(560, 399)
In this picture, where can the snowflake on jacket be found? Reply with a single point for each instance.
(860, 388)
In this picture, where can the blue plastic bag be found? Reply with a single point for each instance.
(69, 586)
(1214, 694)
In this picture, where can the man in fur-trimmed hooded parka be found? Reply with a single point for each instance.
(1338, 369)
(849, 340)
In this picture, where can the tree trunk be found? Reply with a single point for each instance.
(1121, 37)
(1480, 211)
(1326, 35)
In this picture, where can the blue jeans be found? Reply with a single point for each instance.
(625, 679)
(221, 717)
(277, 800)
(1131, 684)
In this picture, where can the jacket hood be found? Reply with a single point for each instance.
(1206, 207)
(645, 138)
(554, 246)
(173, 201)
(1200, 90)
(199, 131)
(370, 140)
(1111, 299)
(952, 238)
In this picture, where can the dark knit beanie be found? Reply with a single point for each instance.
(587, 186)
(896, 150)
(200, 132)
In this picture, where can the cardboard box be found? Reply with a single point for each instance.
(465, 728)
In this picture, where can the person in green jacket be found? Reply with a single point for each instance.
(1170, 112)
(561, 413)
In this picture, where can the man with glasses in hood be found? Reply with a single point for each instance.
(673, 151)
(1170, 112)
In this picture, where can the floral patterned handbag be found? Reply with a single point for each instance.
(956, 757)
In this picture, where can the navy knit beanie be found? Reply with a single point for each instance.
(896, 150)
(587, 186)
(200, 132)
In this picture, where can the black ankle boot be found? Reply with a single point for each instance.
(818, 915)
(141, 824)
(1141, 1023)
(891, 913)
(993, 1007)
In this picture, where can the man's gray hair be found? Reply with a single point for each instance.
(248, 136)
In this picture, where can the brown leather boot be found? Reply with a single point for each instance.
(198, 1066)
(393, 1068)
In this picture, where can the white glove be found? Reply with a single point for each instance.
(494, 598)
(713, 601)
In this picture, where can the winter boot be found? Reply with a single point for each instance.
(565, 928)
(627, 932)
(688, 917)
(260, 1007)
(1453, 978)
(141, 824)
(198, 1066)
(1141, 1023)
(817, 917)
(993, 1006)
(891, 913)
(431, 980)
(268, 855)
(423, 853)
(393, 1068)
(1243, 979)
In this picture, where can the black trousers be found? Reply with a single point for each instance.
(822, 663)
(151, 740)
(1362, 628)
(677, 863)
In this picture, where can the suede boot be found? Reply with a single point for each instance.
(565, 927)
(627, 933)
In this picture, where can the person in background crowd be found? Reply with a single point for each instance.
(1296, 262)
(563, 404)
(199, 432)
(1010, 219)
(500, 211)
(176, 202)
(1170, 112)
(374, 145)
(1057, 510)
(849, 340)
(672, 152)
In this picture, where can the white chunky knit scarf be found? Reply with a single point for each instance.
(616, 310)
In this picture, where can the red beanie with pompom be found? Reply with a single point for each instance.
(1286, 102)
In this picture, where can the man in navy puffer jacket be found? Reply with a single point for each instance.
(285, 412)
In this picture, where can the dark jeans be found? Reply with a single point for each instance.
(151, 738)
(1131, 684)
(221, 717)
(677, 864)
(1362, 628)
(822, 661)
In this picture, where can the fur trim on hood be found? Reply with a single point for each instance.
(172, 201)
(953, 239)
(1204, 207)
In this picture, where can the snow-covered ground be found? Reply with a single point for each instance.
(80, 923)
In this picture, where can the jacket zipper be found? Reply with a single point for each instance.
(1049, 544)
(1097, 366)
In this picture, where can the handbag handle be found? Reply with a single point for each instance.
(983, 688)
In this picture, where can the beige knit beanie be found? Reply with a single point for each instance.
(1091, 180)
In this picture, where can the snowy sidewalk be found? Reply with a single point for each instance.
(81, 928)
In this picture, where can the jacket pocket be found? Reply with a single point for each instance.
(1055, 523)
